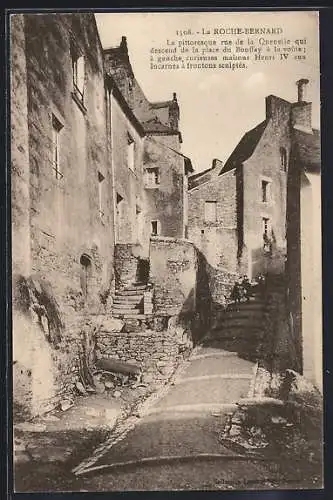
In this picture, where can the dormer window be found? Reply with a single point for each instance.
(152, 177)
(78, 68)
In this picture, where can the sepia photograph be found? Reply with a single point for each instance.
(166, 251)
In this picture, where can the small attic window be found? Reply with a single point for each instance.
(283, 159)
(78, 72)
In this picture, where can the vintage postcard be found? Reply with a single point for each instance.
(166, 251)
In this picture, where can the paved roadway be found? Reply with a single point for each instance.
(174, 444)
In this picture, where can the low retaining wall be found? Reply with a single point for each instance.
(221, 283)
(157, 353)
(173, 272)
(125, 265)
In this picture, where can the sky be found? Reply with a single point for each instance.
(216, 106)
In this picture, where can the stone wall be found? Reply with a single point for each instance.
(48, 347)
(57, 219)
(126, 265)
(165, 201)
(173, 273)
(217, 240)
(128, 179)
(265, 164)
(157, 353)
(280, 349)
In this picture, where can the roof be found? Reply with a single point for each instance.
(245, 147)
(158, 105)
(187, 161)
(155, 125)
(199, 178)
(308, 149)
(110, 82)
(150, 114)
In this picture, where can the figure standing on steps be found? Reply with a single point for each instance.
(236, 294)
(247, 287)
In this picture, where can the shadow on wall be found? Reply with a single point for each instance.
(203, 299)
(34, 295)
(268, 259)
(37, 331)
(280, 349)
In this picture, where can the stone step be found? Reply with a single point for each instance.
(251, 337)
(246, 306)
(126, 306)
(244, 322)
(127, 299)
(132, 315)
(238, 330)
(135, 288)
(129, 293)
(246, 314)
(121, 312)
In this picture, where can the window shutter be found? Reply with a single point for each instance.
(80, 74)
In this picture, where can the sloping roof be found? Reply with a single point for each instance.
(162, 104)
(245, 147)
(150, 114)
(196, 180)
(187, 161)
(155, 125)
(308, 148)
(110, 83)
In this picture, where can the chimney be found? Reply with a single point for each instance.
(216, 163)
(301, 86)
(174, 112)
(301, 112)
(123, 44)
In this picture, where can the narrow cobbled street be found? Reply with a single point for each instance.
(175, 439)
(175, 444)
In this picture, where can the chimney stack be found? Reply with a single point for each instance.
(301, 86)
(123, 44)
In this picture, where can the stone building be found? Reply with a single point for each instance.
(96, 172)
(165, 169)
(61, 197)
(303, 267)
(213, 217)
(246, 203)
(150, 173)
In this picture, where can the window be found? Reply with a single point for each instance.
(265, 191)
(100, 195)
(56, 129)
(155, 228)
(210, 211)
(265, 226)
(85, 274)
(283, 159)
(152, 177)
(130, 152)
(78, 72)
(266, 234)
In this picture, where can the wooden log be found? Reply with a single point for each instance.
(115, 366)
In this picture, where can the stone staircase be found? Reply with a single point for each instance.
(129, 302)
(240, 328)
